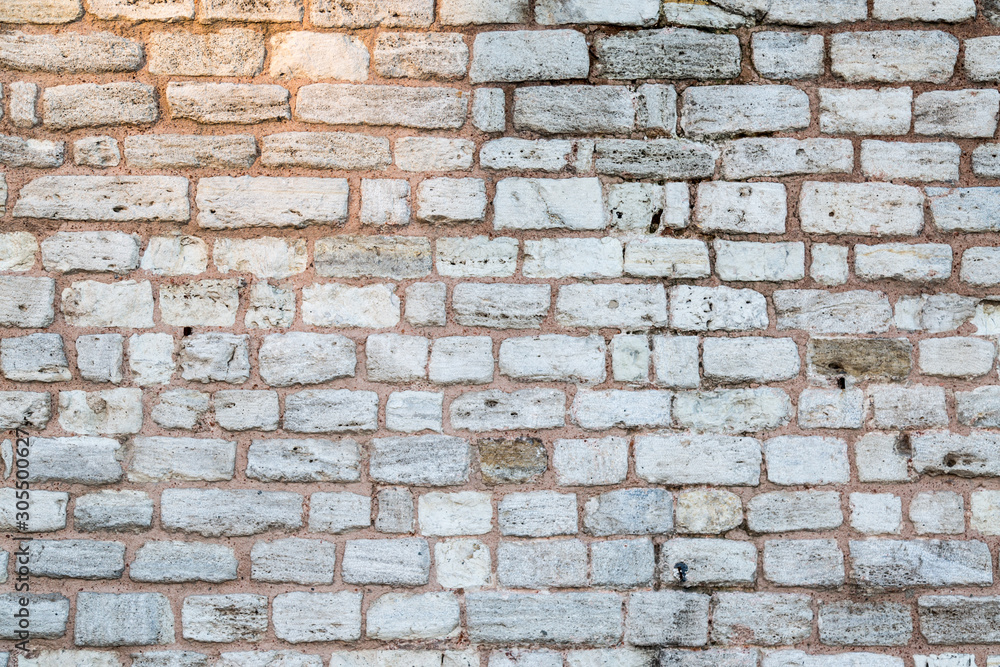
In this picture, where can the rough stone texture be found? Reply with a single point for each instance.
(666, 325)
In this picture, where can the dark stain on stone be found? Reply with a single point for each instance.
(861, 358)
(511, 460)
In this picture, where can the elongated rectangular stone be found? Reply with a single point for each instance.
(529, 55)
(819, 311)
(959, 619)
(40, 154)
(272, 11)
(228, 52)
(668, 159)
(373, 306)
(141, 10)
(214, 103)
(331, 411)
(229, 513)
(108, 198)
(372, 13)
(747, 158)
(667, 54)
(945, 453)
(70, 53)
(325, 150)
(894, 55)
(575, 109)
(226, 202)
(396, 257)
(893, 564)
(698, 459)
(549, 203)
(495, 410)
(180, 151)
(558, 618)
(422, 107)
(865, 209)
(713, 111)
(92, 105)
(160, 458)
(40, 11)
(425, 460)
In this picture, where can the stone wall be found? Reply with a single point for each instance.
(496, 333)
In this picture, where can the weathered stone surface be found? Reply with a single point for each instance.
(408, 106)
(115, 511)
(865, 209)
(428, 460)
(673, 159)
(177, 562)
(325, 150)
(668, 54)
(373, 256)
(812, 563)
(574, 109)
(861, 358)
(228, 52)
(766, 619)
(746, 158)
(711, 562)
(893, 56)
(165, 151)
(107, 412)
(142, 10)
(823, 312)
(224, 618)
(893, 564)
(213, 103)
(548, 203)
(629, 512)
(713, 111)
(92, 105)
(850, 623)
(785, 511)
(398, 562)
(80, 460)
(49, 614)
(161, 458)
(945, 453)
(958, 619)
(107, 198)
(314, 55)
(40, 154)
(671, 459)
(126, 619)
(495, 410)
(527, 55)
(732, 410)
(865, 111)
(41, 11)
(372, 13)
(511, 460)
(97, 252)
(230, 513)
(561, 618)
(333, 305)
(24, 408)
(411, 55)
(331, 411)
(265, 201)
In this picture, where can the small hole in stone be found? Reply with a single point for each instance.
(188, 331)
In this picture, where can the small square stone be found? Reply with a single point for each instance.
(385, 201)
(876, 513)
